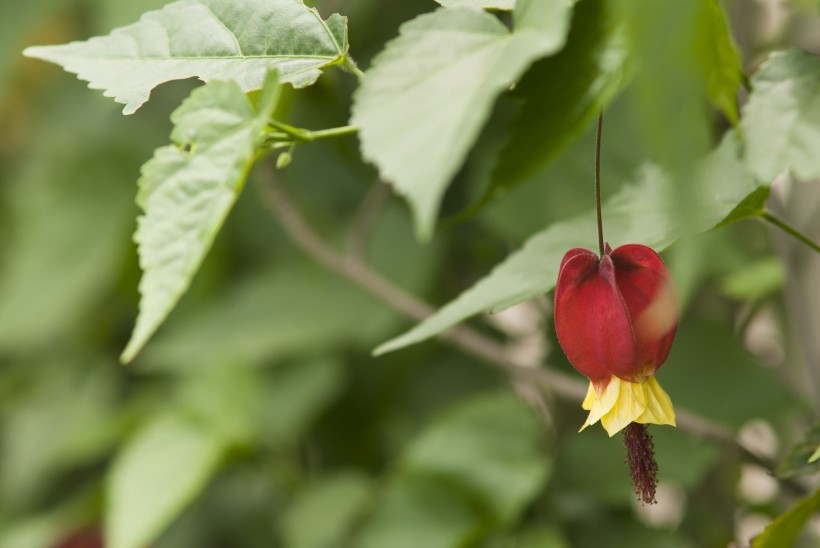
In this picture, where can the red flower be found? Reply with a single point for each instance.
(616, 317)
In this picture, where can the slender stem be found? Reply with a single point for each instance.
(789, 229)
(294, 132)
(287, 131)
(334, 132)
(598, 184)
(350, 65)
(466, 338)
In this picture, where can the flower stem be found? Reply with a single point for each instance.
(640, 457)
(598, 184)
(790, 230)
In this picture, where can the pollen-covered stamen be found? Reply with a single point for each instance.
(640, 457)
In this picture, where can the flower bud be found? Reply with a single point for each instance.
(616, 317)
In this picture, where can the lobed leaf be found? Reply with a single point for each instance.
(637, 214)
(424, 100)
(781, 118)
(188, 189)
(207, 39)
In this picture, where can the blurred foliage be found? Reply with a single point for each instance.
(257, 417)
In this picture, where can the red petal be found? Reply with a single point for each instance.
(651, 300)
(591, 320)
(574, 252)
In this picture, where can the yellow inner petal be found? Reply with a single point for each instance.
(623, 402)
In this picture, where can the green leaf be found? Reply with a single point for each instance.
(275, 314)
(325, 513)
(719, 60)
(421, 512)
(708, 349)
(780, 119)
(158, 473)
(637, 214)
(669, 86)
(57, 263)
(802, 457)
(296, 394)
(427, 95)
(81, 399)
(491, 447)
(784, 530)
(754, 281)
(750, 207)
(562, 94)
(207, 39)
(188, 189)
(501, 5)
(472, 471)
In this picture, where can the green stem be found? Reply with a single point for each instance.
(295, 132)
(286, 131)
(790, 230)
(334, 132)
(350, 65)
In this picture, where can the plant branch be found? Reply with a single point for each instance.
(789, 229)
(373, 202)
(466, 338)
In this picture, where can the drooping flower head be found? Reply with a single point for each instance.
(616, 317)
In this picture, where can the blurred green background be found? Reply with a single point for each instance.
(259, 399)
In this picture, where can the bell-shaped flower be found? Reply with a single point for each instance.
(616, 317)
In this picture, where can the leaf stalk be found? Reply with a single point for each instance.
(789, 229)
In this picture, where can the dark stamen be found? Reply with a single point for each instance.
(640, 457)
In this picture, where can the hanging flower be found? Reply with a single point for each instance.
(616, 317)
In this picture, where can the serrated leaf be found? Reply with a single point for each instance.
(562, 94)
(781, 118)
(207, 39)
(501, 5)
(159, 472)
(720, 60)
(424, 100)
(784, 530)
(188, 189)
(637, 214)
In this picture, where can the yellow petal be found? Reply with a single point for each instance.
(630, 405)
(601, 405)
(658, 404)
(590, 398)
